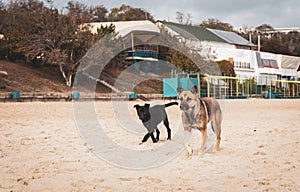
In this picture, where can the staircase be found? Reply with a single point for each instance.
(104, 83)
(109, 86)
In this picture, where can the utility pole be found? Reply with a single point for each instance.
(258, 41)
(146, 15)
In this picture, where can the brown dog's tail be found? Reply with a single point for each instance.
(170, 104)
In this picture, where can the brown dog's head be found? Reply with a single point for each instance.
(188, 99)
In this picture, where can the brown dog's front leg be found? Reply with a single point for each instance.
(187, 147)
(203, 140)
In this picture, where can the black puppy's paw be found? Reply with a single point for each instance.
(154, 140)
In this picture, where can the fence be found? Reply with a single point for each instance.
(221, 87)
(36, 96)
(285, 89)
(233, 87)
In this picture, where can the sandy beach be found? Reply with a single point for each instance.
(42, 149)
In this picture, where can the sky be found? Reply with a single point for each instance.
(238, 13)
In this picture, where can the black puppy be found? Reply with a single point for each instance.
(151, 117)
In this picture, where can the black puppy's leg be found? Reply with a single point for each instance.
(166, 123)
(146, 137)
(157, 134)
(153, 138)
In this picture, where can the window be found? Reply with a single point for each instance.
(242, 64)
(270, 63)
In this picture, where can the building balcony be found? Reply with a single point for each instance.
(142, 55)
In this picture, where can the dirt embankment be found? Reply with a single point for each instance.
(26, 78)
(48, 79)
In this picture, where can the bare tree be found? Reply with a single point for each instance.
(188, 19)
(180, 17)
(184, 19)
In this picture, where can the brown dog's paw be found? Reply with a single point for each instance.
(201, 152)
(189, 151)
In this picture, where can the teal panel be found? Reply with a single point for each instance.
(182, 83)
(75, 95)
(132, 96)
(15, 95)
(191, 82)
(170, 87)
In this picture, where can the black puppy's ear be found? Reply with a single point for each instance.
(194, 90)
(179, 90)
(147, 105)
(136, 106)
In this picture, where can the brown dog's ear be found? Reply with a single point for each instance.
(136, 106)
(147, 105)
(179, 90)
(194, 90)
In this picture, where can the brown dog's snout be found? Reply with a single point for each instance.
(184, 106)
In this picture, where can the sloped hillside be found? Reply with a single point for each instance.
(25, 78)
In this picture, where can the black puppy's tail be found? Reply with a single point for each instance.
(170, 104)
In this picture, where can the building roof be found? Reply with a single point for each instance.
(231, 37)
(290, 62)
(206, 34)
(125, 27)
(190, 32)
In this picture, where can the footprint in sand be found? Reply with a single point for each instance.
(23, 181)
(98, 180)
(259, 153)
(27, 141)
(2, 154)
(154, 180)
(126, 179)
(230, 177)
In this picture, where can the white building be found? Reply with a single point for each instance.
(248, 62)
(266, 66)
(141, 37)
(285, 30)
(290, 67)
(217, 44)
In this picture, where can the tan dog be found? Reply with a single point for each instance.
(197, 113)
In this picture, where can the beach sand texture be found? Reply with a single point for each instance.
(41, 150)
